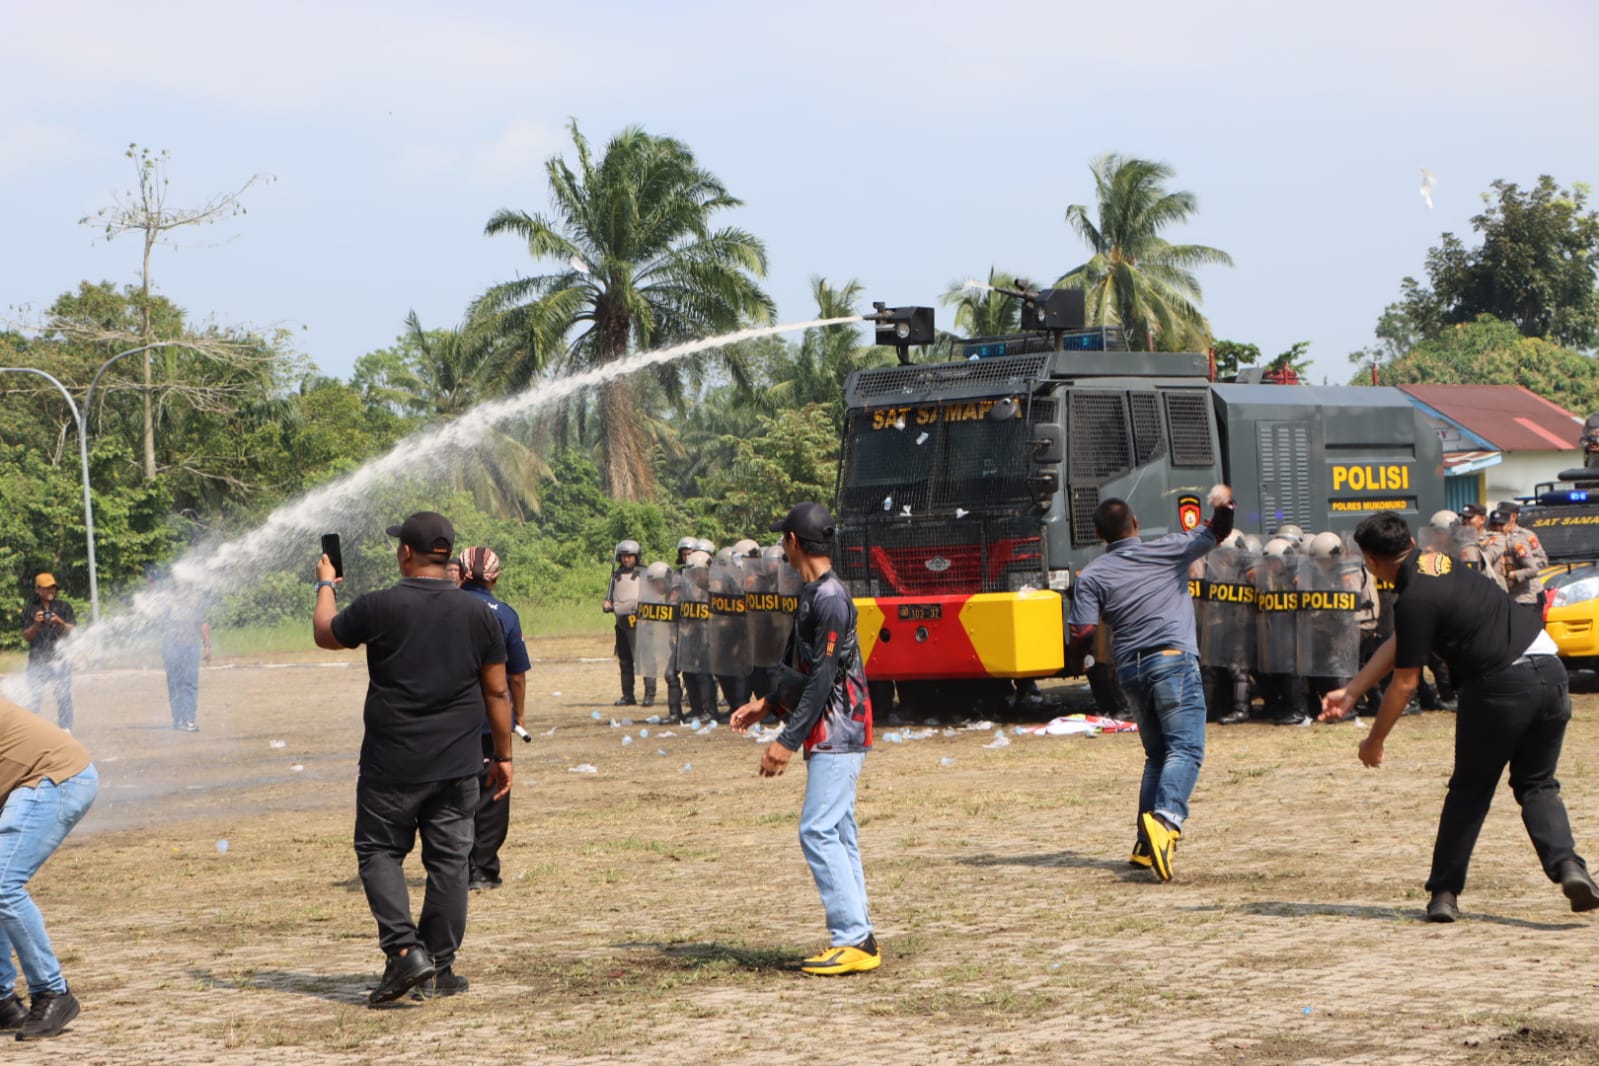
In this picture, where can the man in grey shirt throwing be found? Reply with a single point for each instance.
(1140, 589)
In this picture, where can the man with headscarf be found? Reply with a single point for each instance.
(480, 571)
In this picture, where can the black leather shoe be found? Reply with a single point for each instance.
(1233, 718)
(1443, 907)
(48, 1014)
(403, 973)
(13, 1012)
(1578, 886)
(481, 883)
(626, 701)
(444, 983)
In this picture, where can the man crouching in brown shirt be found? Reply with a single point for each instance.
(49, 784)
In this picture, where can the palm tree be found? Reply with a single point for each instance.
(638, 267)
(983, 312)
(1136, 279)
(826, 354)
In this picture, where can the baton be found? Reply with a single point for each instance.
(527, 738)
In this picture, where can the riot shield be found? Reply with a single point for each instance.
(1227, 631)
(694, 620)
(1329, 625)
(768, 612)
(655, 648)
(730, 638)
(1277, 614)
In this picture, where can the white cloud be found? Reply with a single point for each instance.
(424, 160)
(32, 146)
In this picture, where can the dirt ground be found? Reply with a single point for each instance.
(653, 910)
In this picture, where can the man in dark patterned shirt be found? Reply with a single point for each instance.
(821, 696)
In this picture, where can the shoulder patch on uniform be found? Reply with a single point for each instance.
(1434, 564)
(832, 641)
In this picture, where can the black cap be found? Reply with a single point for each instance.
(807, 521)
(1472, 510)
(1498, 517)
(1510, 506)
(427, 532)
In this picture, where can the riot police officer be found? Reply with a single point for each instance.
(621, 600)
(655, 636)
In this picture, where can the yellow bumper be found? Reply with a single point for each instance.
(1575, 629)
(990, 634)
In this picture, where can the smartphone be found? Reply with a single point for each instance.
(330, 548)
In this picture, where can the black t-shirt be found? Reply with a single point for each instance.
(1459, 613)
(42, 648)
(425, 643)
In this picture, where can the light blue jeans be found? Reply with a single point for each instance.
(182, 662)
(33, 824)
(827, 836)
(1168, 694)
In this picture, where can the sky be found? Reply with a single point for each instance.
(907, 145)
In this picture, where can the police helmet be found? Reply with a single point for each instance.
(747, 548)
(774, 552)
(1289, 532)
(658, 571)
(724, 557)
(627, 547)
(697, 558)
(1278, 548)
(1251, 544)
(1235, 539)
(1305, 540)
(686, 544)
(1326, 546)
(1444, 520)
(705, 546)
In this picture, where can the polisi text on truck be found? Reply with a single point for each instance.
(1368, 478)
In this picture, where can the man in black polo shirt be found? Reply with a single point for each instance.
(1514, 706)
(436, 666)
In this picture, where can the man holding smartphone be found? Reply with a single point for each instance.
(46, 621)
(436, 668)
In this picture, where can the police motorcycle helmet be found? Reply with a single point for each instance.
(628, 547)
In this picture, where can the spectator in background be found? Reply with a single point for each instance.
(46, 621)
(185, 640)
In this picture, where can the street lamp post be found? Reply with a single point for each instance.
(83, 455)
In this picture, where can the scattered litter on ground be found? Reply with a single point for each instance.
(654, 719)
(583, 768)
(645, 732)
(626, 740)
(277, 744)
(660, 751)
(663, 734)
(946, 761)
(296, 769)
(1000, 741)
(555, 693)
(1081, 725)
(688, 766)
(595, 715)
(222, 849)
(550, 732)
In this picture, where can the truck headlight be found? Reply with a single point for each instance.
(1060, 580)
(1025, 581)
(1577, 592)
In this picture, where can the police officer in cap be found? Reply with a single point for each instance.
(1514, 707)
(1525, 560)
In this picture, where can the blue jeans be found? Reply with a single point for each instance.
(827, 836)
(33, 824)
(1168, 695)
(182, 662)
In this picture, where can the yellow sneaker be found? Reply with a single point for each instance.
(834, 961)
(1162, 844)
(1140, 856)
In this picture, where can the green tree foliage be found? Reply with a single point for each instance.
(1135, 278)
(1489, 352)
(1535, 268)
(637, 266)
(1231, 356)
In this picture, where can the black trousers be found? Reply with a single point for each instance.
(1518, 716)
(624, 654)
(491, 823)
(388, 818)
(735, 690)
(701, 694)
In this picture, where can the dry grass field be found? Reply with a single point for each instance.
(653, 910)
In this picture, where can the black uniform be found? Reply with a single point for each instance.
(1513, 709)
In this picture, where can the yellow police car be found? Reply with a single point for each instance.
(1567, 525)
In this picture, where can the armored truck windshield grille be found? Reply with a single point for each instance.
(906, 557)
(1148, 441)
(912, 382)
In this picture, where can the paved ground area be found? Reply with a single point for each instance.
(654, 908)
